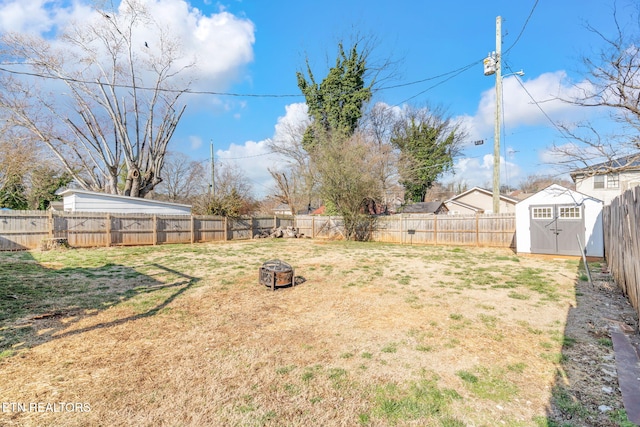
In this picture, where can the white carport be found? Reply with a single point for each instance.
(75, 200)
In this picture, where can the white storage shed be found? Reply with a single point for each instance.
(75, 200)
(552, 220)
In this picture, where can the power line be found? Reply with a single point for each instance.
(231, 94)
(558, 128)
(126, 86)
(452, 74)
(430, 78)
(535, 4)
(248, 157)
(504, 146)
(458, 72)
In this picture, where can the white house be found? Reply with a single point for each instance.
(608, 180)
(75, 200)
(552, 220)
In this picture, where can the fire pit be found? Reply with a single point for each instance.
(276, 273)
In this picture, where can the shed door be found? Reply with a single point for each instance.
(554, 229)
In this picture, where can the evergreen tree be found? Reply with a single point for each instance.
(336, 104)
(45, 181)
(427, 144)
(13, 194)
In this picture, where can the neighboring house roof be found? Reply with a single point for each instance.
(465, 205)
(286, 209)
(56, 206)
(425, 207)
(306, 211)
(625, 163)
(319, 211)
(282, 207)
(520, 195)
(484, 191)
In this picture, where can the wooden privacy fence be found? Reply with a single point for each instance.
(496, 230)
(27, 229)
(621, 220)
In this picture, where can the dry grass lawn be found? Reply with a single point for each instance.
(376, 335)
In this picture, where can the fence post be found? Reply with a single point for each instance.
(226, 228)
(313, 227)
(435, 230)
(107, 229)
(401, 229)
(477, 229)
(155, 229)
(193, 229)
(50, 223)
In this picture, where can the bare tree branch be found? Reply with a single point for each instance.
(110, 124)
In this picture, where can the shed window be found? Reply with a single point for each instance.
(541, 213)
(598, 181)
(613, 181)
(570, 212)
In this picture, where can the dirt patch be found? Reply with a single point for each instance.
(376, 335)
(587, 390)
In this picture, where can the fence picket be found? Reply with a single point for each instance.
(622, 243)
(26, 229)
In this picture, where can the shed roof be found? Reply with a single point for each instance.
(558, 191)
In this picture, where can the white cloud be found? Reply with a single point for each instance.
(37, 16)
(296, 115)
(219, 44)
(195, 142)
(520, 109)
(478, 172)
(571, 155)
(254, 158)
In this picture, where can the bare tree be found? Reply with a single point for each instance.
(287, 184)
(232, 195)
(377, 128)
(18, 154)
(535, 183)
(184, 179)
(347, 182)
(121, 97)
(613, 83)
(296, 179)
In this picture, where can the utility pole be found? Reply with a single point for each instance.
(213, 173)
(496, 130)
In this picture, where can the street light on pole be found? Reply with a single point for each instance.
(493, 65)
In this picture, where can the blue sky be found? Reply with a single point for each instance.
(263, 44)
